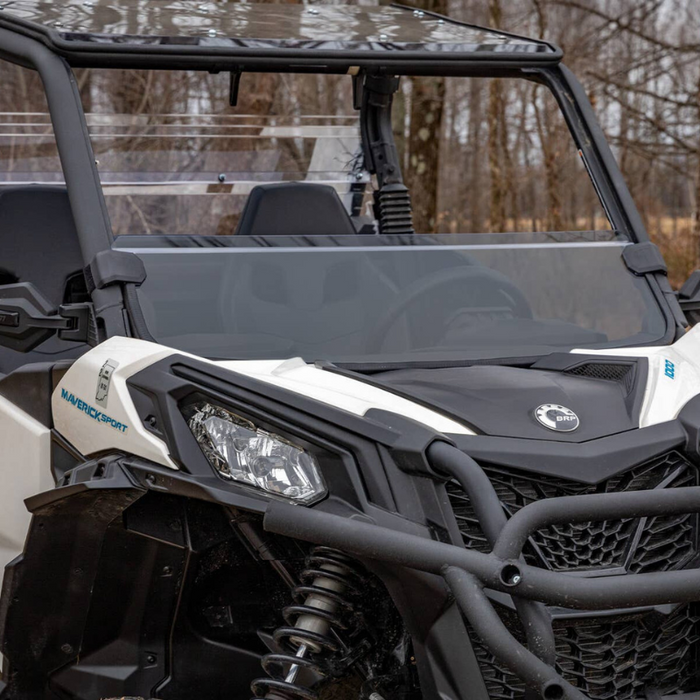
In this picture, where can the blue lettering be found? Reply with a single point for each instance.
(91, 411)
(66, 396)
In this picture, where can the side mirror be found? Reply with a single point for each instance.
(27, 318)
(689, 298)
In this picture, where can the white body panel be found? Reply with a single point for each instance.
(674, 376)
(342, 392)
(674, 379)
(87, 433)
(669, 388)
(25, 462)
(80, 417)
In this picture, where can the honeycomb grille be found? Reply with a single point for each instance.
(617, 657)
(640, 545)
(614, 658)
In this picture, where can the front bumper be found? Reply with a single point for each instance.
(468, 572)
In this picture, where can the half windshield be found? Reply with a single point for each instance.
(184, 172)
(393, 299)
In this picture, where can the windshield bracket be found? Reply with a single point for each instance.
(644, 258)
(110, 267)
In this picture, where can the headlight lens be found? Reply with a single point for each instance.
(240, 451)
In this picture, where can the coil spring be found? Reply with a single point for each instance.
(323, 605)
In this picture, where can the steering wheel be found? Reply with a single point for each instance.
(480, 282)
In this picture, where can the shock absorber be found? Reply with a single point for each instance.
(323, 605)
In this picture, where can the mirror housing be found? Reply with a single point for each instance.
(27, 318)
(689, 298)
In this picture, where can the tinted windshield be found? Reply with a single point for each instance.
(392, 299)
(180, 164)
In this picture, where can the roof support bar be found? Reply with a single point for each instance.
(78, 163)
(392, 202)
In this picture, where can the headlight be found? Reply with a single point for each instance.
(240, 451)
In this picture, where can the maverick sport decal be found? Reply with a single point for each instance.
(91, 411)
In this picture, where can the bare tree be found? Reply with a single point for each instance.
(422, 176)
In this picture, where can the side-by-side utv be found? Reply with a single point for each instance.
(313, 453)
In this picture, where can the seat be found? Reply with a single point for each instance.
(39, 244)
(308, 300)
(294, 209)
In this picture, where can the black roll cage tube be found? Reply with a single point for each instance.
(78, 163)
(468, 572)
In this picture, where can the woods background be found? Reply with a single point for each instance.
(639, 61)
(478, 155)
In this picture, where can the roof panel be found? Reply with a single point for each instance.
(253, 25)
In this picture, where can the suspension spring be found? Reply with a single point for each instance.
(323, 606)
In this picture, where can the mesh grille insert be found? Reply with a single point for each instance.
(614, 657)
(663, 543)
(624, 374)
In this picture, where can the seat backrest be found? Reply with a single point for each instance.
(39, 244)
(294, 209)
(38, 239)
(310, 302)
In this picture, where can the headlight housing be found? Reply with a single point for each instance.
(240, 451)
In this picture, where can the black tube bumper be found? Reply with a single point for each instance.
(468, 572)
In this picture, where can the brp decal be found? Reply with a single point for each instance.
(556, 417)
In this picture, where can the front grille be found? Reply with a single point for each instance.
(612, 658)
(656, 544)
(617, 656)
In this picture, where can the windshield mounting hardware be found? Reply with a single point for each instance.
(644, 258)
(392, 201)
(110, 267)
(27, 319)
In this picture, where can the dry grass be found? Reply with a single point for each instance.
(678, 244)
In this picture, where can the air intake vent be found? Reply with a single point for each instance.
(623, 374)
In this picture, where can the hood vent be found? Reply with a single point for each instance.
(620, 373)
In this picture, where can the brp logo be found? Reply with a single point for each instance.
(556, 417)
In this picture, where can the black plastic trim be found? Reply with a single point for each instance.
(114, 267)
(587, 462)
(644, 258)
(29, 388)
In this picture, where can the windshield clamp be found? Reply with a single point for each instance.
(644, 258)
(110, 267)
(83, 325)
(392, 202)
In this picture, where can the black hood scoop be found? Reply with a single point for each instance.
(604, 394)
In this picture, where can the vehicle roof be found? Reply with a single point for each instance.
(87, 31)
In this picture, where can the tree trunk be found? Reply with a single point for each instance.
(497, 209)
(497, 136)
(422, 176)
(696, 216)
